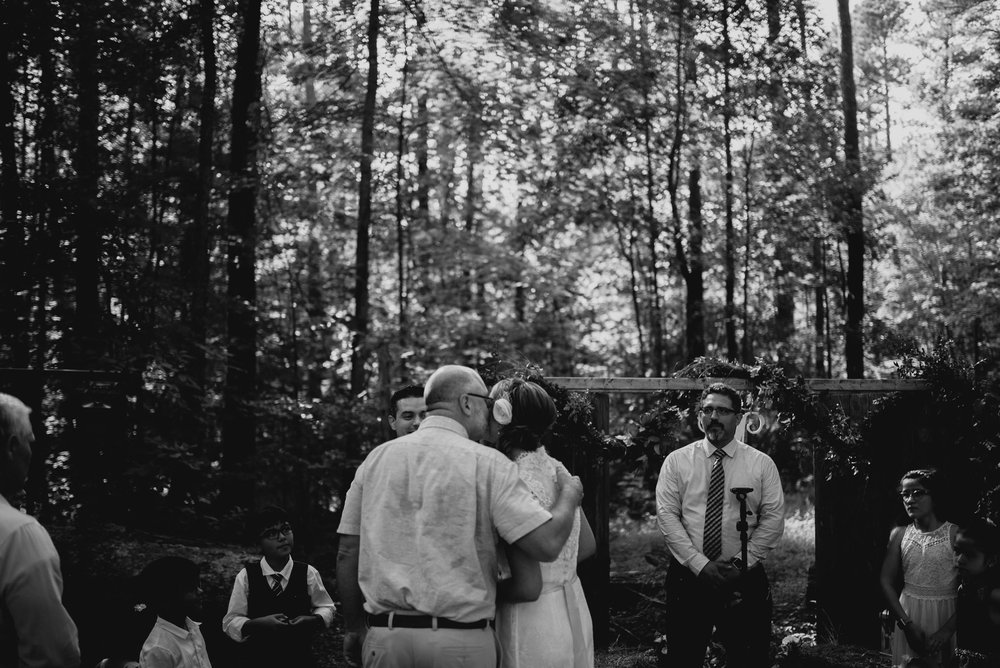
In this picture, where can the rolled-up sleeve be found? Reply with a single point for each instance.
(322, 603)
(236, 614)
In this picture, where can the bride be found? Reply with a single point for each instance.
(554, 631)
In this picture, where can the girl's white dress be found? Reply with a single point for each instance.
(930, 588)
(555, 631)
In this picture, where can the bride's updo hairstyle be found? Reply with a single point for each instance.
(534, 413)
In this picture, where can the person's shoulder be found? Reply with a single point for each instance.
(12, 519)
(753, 453)
(685, 451)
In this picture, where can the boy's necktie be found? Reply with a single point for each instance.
(713, 508)
(276, 584)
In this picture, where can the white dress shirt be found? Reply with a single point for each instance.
(35, 629)
(236, 616)
(682, 493)
(170, 646)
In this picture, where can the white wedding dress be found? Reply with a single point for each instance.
(555, 631)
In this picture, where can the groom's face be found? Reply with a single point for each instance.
(718, 419)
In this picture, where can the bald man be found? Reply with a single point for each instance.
(417, 562)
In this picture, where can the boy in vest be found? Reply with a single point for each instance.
(277, 605)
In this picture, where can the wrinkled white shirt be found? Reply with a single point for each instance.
(170, 646)
(682, 493)
(35, 629)
(428, 508)
(236, 615)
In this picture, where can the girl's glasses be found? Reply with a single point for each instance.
(914, 493)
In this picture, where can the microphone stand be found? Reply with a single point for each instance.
(743, 527)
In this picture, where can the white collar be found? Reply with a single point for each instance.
(285, 572)
(729, 448)
(176, 630)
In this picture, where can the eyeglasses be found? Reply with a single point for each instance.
(273, 532)
(721, 411)
(489, 400)
(915, 493)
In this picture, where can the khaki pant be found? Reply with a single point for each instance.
(429, 648)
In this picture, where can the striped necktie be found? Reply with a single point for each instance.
(713, 508)
(276, 584)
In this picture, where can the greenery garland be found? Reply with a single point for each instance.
(575, 431)
(795, 421)
(963, 412)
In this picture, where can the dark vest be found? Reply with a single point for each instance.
(289, 647)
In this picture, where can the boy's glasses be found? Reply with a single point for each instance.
(274, 532)
(721, 411)
(914, 493)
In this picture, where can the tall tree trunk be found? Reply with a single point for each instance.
(86, 346)
(746, 343)
(15, 305)
(819, 292)
(694, 278)
(196, 247)
(423, 133)
(316, 299)
(239, 424)
(401, 287)
(852, 211)
(359, 346)
(885, 99)
(473, 283)
(732, 348)
(656, 336)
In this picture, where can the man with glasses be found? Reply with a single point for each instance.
(708, 586)
(417, 564)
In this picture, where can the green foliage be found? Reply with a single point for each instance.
(575, 434)
(795, 422)
(958, 428)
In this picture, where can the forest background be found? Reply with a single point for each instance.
(231, 228)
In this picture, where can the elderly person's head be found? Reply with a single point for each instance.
(16, 438)
(459, 393)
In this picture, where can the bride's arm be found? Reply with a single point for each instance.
(525, 581)
(588, 544)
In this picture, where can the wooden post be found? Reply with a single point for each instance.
(595, 573)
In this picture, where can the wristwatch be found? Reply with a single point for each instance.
(902, 625)
(737, 562)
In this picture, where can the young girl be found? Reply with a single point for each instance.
(173, 591)
(921, 552)
(977, 555)
(554, 631)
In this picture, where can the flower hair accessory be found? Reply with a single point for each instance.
(503, 412)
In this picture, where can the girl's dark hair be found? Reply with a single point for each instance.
(533, 414)
(167, 579)
(928, 477)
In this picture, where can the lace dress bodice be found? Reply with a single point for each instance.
(929, 562)
(538, 471)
